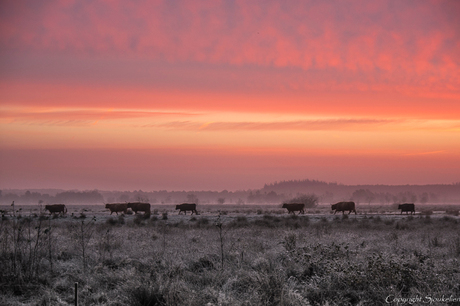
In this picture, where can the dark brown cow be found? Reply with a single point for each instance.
(56, 208)
(185, 207)
(343, 206)
(121, 207)
(137, 206)
(293, 207)
(407, 207)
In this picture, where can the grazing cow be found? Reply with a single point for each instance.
(56, 208)
(184, 207)
(145, 207)
(343, 206)
(293, 207)
(407, 207)
(122, 207)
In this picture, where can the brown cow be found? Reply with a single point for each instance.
(407, 207)
(184, 207)
(117, 207)
(137, 206)
(343, 206)
(56, 208)
(293, 207)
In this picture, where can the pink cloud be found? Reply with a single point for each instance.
(339, 34)
(264, 49)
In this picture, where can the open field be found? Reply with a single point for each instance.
(230, 255)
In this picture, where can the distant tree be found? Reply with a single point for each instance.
(272, 197)
(424, 198)
(221, 201)
(327, 197)
(363, 195)
(407, 196)
(141, 198)
(191, 198)
(123, 198)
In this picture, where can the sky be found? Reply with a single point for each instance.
(228, 95)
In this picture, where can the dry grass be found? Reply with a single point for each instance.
(251, 259)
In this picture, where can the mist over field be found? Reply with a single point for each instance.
(273, 193)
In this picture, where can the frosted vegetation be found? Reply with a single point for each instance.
(259, 257)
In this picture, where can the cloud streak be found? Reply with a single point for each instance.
(298, 125)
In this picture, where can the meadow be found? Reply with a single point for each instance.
(231, 255)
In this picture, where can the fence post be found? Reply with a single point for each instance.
(76, 293)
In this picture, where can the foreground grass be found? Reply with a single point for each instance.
(264, 260)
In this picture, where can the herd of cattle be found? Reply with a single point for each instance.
(344, 206)
(291, 208)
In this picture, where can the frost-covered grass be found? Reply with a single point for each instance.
(256, 259)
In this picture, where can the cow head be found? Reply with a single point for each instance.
(334, 207)
(284, 206)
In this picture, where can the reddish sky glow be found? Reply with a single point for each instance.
(212, 95)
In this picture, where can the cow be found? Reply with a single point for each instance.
(56, 208)
(137, 206)
(293, 207)
(122, 207)
(407, 207)
(185, 207)
(343, 206)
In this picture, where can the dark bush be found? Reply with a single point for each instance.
(201, 265)
(111, 221)
(202, 221)
(146, 296)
